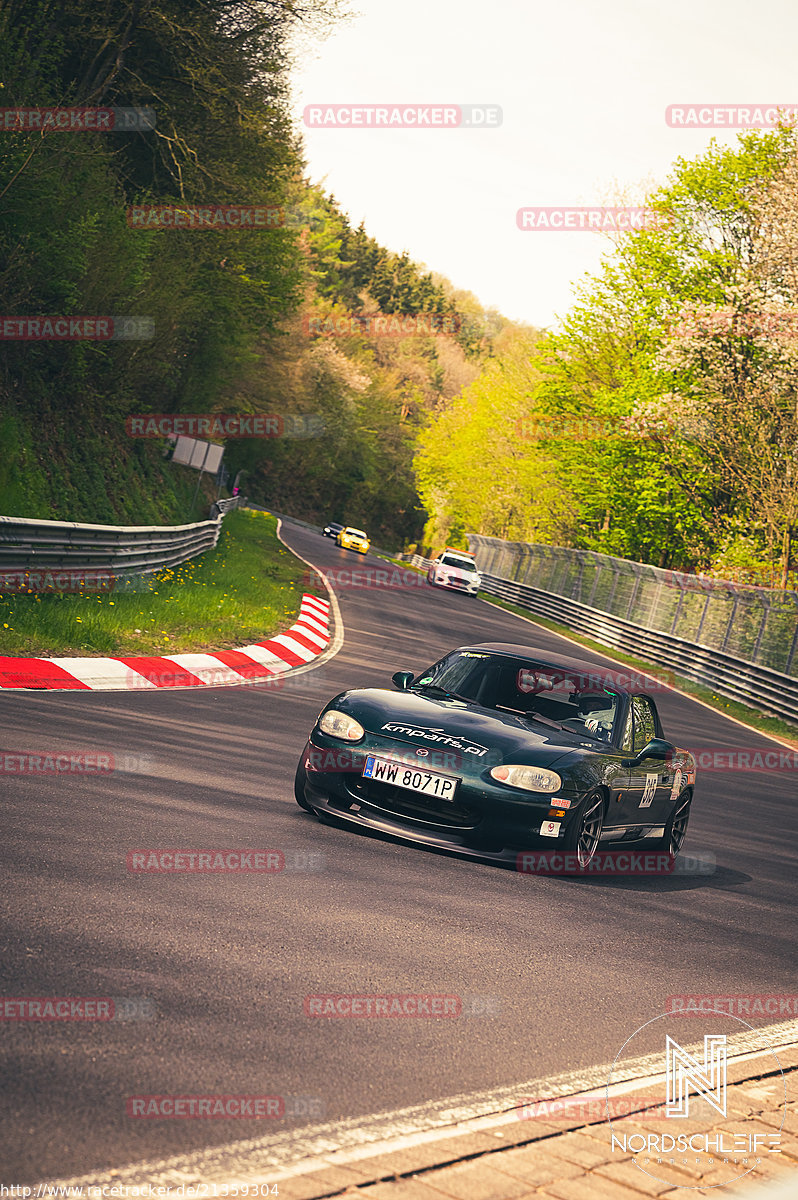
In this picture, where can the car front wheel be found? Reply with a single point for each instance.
(583, 835)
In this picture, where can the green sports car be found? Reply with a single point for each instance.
(497, 750)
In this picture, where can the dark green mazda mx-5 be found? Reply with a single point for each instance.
(497, 750)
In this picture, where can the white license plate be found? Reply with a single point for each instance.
(429, 783)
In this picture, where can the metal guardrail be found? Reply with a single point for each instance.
(226, 506)
(753, 624)
(124, 550)
(769, 691)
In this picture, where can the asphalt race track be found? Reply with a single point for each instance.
(555, 974)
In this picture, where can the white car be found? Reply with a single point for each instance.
(457, 570)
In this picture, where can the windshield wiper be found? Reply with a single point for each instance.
(533, 716)
(425, 687)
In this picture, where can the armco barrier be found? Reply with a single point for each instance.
(756, 684)
(761, 688)
(125, 550)
(748, 623)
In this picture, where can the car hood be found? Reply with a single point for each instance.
(480, 736)
(460, 572)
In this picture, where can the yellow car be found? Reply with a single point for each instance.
(353, 539)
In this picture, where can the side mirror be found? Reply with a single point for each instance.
(402, 680)
(656, 748)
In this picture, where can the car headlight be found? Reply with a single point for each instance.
(338, 724)
(529, 779)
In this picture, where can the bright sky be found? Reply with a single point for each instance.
(583, 87)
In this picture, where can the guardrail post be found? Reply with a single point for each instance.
(791, 654)
(703, 615)
(598, 569)
(655, 605)
(633, 597)
(613, 589)
(758, 642)
(523, 553)
(727, 634)
(576, 586)
(679, 604)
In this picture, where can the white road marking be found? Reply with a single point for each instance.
(104, 674)
(205, 667)
(290, 1153)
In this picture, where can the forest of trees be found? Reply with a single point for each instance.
(657, 423)
(229, 308)
(660, 422)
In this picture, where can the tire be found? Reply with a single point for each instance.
(299, 788)
(582, 837)
(676, 826)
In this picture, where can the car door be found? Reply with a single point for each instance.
(647, 797)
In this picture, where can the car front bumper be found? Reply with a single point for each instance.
(485, 821)
(470, 587)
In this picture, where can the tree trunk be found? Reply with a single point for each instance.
(786, 548)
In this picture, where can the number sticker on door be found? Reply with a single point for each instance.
(648, 791)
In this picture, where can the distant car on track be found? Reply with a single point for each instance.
(497, 749)
(353, 539)
(457, 570)
(331, 529)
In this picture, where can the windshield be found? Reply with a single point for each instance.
(356, 532)
(519, 685)
(454, 560)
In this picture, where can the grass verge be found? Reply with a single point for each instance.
(245, 589)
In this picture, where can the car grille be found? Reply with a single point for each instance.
(402, 803)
